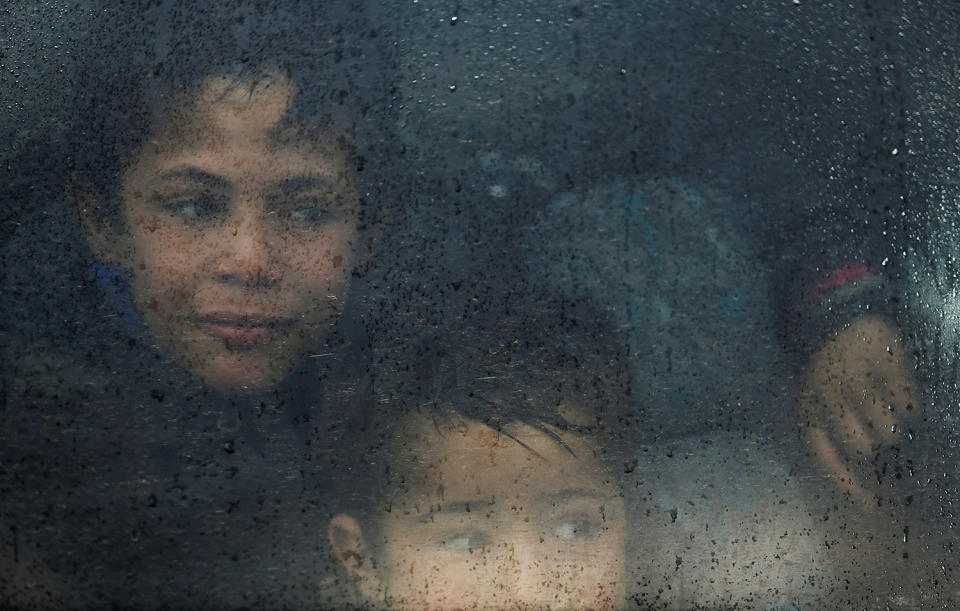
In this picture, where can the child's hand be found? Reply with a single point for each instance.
(856, 398)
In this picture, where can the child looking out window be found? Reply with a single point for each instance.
(498, 482)
(173, 410)
(220, 180)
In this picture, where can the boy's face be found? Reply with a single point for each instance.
(240, 233)
(484, 521)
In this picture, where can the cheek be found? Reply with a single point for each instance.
(164, 263)
(410, 562)
(605, 571)
(424, 579)
(324, 262)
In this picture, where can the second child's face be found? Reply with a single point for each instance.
(241, 226)
(486, 522)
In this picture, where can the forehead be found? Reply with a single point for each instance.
(224, 109)
(231, 105)
(467, 456)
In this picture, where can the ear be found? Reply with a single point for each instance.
(348, 542)
(105, 239)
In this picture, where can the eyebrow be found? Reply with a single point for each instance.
(191, 173)
(301, 183)
(571, 494)
(452, 507)
(282, 187)
(565, 495)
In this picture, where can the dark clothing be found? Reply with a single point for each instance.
(126, 482)
(129, 502)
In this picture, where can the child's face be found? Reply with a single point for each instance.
(487, 522)
(240, 230)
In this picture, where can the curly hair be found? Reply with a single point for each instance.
(138, 64)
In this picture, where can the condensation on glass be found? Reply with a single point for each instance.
(439, 304)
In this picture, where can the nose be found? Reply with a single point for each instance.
(248, 256)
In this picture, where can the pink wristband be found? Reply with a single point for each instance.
(841, 277)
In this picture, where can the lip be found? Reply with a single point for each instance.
(243, 329)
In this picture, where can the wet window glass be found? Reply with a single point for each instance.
(479, 305)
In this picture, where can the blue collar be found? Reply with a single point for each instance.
(113, 281)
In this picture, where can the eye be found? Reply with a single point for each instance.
(465, 541)
(576, 528)
(192, 207)
(307, 214)
(312, 208)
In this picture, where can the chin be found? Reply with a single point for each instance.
(228, 375)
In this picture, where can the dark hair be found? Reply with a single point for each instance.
(517, 368)
(554, 367)
(138, 60)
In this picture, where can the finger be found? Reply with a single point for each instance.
(829, 459)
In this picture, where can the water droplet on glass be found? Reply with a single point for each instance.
(452, 87)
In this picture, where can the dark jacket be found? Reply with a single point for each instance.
(126, 482)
